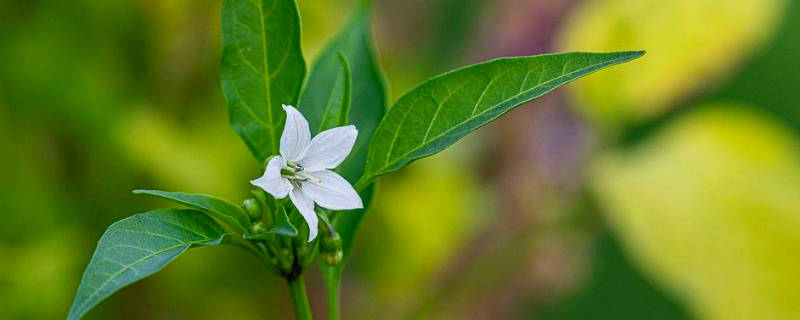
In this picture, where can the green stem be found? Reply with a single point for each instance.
(332, 285)
(302, 309)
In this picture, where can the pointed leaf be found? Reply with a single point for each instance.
(445, 108)
(222, 210)
(138, 246)
(368, 91)
(262, 68)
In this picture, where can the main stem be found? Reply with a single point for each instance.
(302, 309)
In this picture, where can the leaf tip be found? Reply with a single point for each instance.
(636, 53)
(626, 56)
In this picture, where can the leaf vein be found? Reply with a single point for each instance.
(285, 53)
(483, 93)
(396, 132)
(524, 81)
(439, 107)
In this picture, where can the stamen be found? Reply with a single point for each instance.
(302, 176)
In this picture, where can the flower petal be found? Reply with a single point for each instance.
(331, 191)
(272, 181)
(329, 148)
(295, 136)
(305, 205)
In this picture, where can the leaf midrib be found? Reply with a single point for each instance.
(266, 74)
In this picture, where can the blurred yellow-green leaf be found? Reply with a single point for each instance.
(709, 207)
(690, 43)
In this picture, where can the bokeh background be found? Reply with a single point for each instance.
(667, 188)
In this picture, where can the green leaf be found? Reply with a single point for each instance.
(368, 91)
(222, 210)
(445, 108)
(138, 246)
(262, 68)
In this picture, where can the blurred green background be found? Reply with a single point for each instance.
(667, 188)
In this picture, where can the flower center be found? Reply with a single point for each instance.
(295, 173)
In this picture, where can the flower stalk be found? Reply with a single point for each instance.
(297, 289)
(332, 285)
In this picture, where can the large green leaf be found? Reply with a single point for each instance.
(368, 91)
(262, 68)
(445, 108)
(222, 210)
(138, 246)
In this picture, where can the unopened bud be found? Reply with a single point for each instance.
(332, 258)
(331, 241)
(331, 247)
(253, 209)
(258, 228)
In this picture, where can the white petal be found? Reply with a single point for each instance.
(305, 205)
(331, 191)
(329, 148)
(295, 136)
(272, 181)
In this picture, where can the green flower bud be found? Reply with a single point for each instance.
(331, 247)
(258, 228)
(331, 241)
(253, 209)
(332, 258)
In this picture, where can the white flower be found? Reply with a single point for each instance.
(302, 170)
